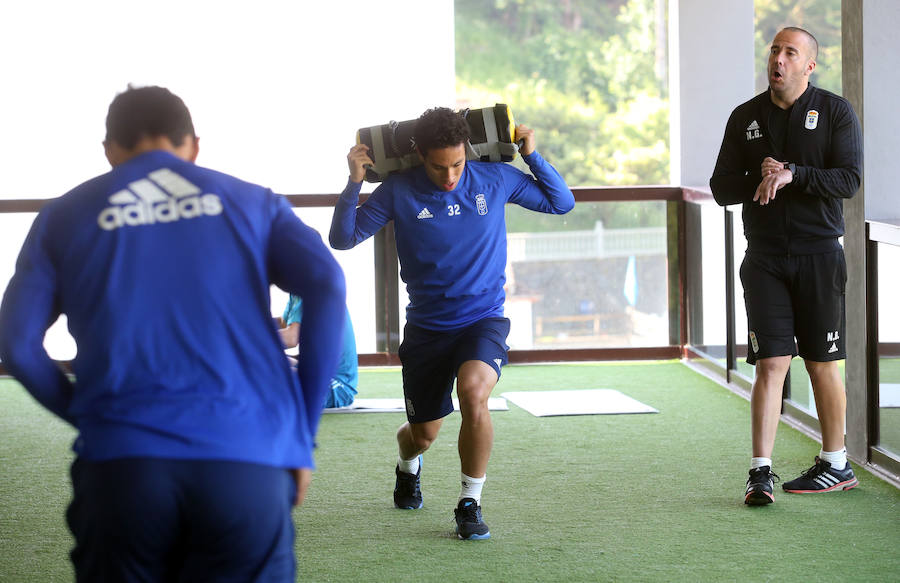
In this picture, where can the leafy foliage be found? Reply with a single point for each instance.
(589, 76)
(822, 18)
(585, 75)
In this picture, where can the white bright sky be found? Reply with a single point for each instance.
(277, 90)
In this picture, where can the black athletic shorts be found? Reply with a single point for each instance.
(799, 296)
(153, 519)
(432, 358)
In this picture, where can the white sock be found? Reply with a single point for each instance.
(837, 459)
(409, 466)
(758, 462)
(471, 487)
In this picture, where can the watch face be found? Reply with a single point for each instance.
(787, 165)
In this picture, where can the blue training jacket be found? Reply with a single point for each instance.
(163, 271)
(451, 245)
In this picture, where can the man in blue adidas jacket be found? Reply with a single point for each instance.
(194, 435)
(450, 228)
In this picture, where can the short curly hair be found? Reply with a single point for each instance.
(440, 127)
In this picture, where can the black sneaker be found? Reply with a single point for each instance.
(408, 489)
(822, 478)
(469, 525)
(760, 486)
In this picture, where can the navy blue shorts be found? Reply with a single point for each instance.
(432, 358)
(144, 519)
(800, 296)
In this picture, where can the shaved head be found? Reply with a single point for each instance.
(810, 39)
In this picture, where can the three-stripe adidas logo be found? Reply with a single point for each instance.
(161, 197)
(425, 214)
(826, 480)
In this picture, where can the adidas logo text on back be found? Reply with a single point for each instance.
(162, 197)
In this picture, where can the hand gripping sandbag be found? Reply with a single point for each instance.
(393, 149)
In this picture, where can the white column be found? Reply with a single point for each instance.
(881, 129)
(711, 71)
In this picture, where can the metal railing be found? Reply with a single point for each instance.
(679, 241)
(550, 246)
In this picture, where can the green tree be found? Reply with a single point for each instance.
(822, 18)
(587, 76)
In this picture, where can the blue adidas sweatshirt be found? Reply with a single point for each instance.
(163, 271)
(451, 245)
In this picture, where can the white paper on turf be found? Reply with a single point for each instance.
(577, 402)
(397, 405)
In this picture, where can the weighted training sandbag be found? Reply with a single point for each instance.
(392, 147)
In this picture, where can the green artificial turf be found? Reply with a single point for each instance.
(654, 497)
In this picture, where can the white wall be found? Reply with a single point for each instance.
(711, 71)
(881, 124)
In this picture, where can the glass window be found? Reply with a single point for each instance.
(588, 76)
(740, 309)
(709, 337)
(596, 277)
(888, 348)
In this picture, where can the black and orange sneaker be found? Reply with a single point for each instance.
(822, 478)
(760, 486)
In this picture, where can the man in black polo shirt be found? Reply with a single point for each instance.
(790, 155)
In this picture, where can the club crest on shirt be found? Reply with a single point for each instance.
(481, 204)
(812, 119)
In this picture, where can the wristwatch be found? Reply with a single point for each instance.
(791, 166)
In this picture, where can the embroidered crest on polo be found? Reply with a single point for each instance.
(753, 131)
(481, 204)
(812, 119)
(425, 214)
